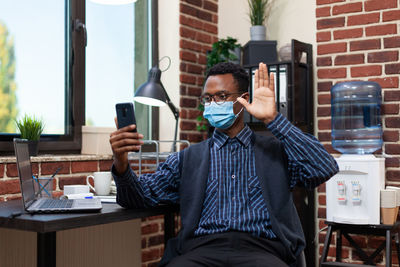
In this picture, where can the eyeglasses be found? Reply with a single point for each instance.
(219, 98)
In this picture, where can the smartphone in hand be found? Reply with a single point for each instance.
(125, 115)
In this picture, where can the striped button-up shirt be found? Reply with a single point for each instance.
(233, 198)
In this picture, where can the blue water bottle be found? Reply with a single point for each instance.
(356, 119)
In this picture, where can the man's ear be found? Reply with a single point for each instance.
(246, 96)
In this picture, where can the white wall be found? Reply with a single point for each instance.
(168, 45)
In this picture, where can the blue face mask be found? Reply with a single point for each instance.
(220, 116)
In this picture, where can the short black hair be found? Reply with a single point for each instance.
(239, 74)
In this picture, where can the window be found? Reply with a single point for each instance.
(46, 71)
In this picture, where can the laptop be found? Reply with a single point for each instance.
(31, 199)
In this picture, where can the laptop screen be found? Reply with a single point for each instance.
(24, 170)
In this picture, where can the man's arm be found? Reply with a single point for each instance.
(308, 161)
(149, 189)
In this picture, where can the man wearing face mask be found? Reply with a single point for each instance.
(234, 189)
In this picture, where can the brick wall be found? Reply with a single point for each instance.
(198, 30)
(359, 40)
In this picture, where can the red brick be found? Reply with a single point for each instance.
(390, 109)
(194, 46)
(188, 79)
(105, 165)
(324, 49)
(324, 124)
(390, 136)
(187, 125)
(324, 61)
(11, 170)
(332, 73)
(323, 11)
(323, 36)
(392, 68)
(365, 45)
(323, 111)
(347, 8)
(391, 15)
(324, 99)
(195, 69)
(191, 22)
(387, 82)
(392, 42)
(210, 6)
(393, 175)
(152, 254)
(9, 186)
(203, 37)
(392, 95)
(363, 19)
(156, 240)
(83, 166)
(392, 162)
(193, 114)
(215, 20)
(189, 10)
(330, 23)
(188, 56)
(198, 3)
(322, 200)
(348, 34)
(321, 212)
(71, 181)
(324, 136)
(48, 168)
(202, 59)
(187, 33)
(392, 122)
(204, 15)
(211, 28)
(150, 228)
(324, 86)
(381, 30)
(324, 2)
(188, 102)
(385, 56)
(1, 170)
(379, 4)
(363, 71)
(195, 91)
(321, 188)
(350, 59)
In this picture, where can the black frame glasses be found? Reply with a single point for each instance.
(219, 98)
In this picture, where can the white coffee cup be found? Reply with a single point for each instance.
(102, 183)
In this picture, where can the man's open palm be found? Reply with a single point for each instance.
(263, 106)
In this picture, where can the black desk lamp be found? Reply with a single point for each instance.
(153, 93)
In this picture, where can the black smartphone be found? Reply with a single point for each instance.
(125, 114)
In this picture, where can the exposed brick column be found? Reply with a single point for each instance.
(198, 31)
(359, 40)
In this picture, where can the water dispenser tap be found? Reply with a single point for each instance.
(356, 189)
(341, 186)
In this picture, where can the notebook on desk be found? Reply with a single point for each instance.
(31, 199)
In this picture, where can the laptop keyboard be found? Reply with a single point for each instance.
(56, 203)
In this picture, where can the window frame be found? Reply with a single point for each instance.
(75, 55)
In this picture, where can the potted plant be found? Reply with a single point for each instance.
(257, 14)
(31, 128)
(224, 50)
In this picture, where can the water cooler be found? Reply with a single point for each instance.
(353, 194)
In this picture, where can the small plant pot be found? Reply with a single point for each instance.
(257, 33)
(33, 147)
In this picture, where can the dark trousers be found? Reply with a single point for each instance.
(231, 249)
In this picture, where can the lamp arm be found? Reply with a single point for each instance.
(171, 105)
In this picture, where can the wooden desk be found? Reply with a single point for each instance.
(388, 231)
(46, 225)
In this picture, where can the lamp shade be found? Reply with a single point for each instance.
(151, 92)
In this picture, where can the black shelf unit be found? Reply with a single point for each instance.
(294, 99)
